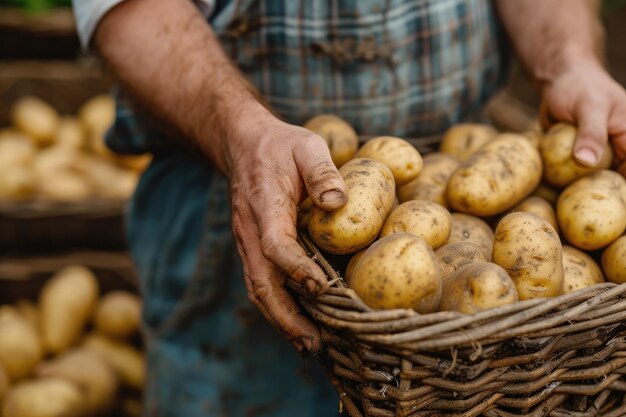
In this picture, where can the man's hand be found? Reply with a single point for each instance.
(164, 52)
(585, 95)
(272, 168)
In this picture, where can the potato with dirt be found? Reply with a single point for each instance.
(371, 193)
(404, 161)
(560, 168)
(454, 256)
(580, 270)
(468, 228)
(425, 219)
(20, 344)
(38, 119)
(497, 177)
(431, 183)
(399, 271)
(592, 210)
(354, 260)
(118, 314)
(44, 397)
(540, 207)
(477, 287)
(530, 251)
(464, 139)
(340, 137)
(614, 261)
(126, 361)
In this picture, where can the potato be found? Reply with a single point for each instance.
(580, 270)
(29, 312)
(371, 192)
(66, 303)
(70, 133)
(16, 149)
(476, 287)
(424, 219)
(118, 314)
(592, 210)
(463, 140)
(55, 158)
(354, 260)
(431, 182)
(107, 179)
(496, 178)
(546, 192)
(399, 271)
(95, 378)
(614, 261)
(534, 137)
(16, 182)
(530, 251)
(36, 118)
(5, 382)
(557, 153)
(45, 397)
(97, 114)
(467, 228)
(540, 207)
(454, 256)
(20, 346)
(340, 137)
(127, 362)
(64, 186)
(399, 155)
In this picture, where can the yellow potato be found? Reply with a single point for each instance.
(97, 114)
(95, 378)
(64, 186)
(476, 287)
(546, 192)
(16, 149)
(118, 314)
(557, 153)
(454, 256)
(70, 133)
(399, 155)
(399, 271)
(16, 182)
(66, 303)
(614, 261)
(468, 228)
(44, 397)
(340, 137)
(29, 312)
(540, 207)
(352, 264)
(534, 137)
(371, 193)
(580, 270)
(530, 251)
(5, 382)
(36, 118)
(496, 178)
(424, 219)
(127, 362)
(432, 181)
(20, 346)
(108, 180)
(463, 140)
(592, 210)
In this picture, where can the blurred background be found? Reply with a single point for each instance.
(62, 193)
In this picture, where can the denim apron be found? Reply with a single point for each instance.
(403, 67)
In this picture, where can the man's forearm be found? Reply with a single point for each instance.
(550, 35)
(168, 57)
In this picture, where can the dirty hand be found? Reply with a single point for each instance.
(272, 168)
(585, 95)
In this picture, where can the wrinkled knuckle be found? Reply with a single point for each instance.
(261, 293)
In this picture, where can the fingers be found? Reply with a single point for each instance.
(617, 128)
(592, 133)
(274, 213)
(321, 178)
(265, 286)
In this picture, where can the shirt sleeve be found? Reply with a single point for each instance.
(88, 13)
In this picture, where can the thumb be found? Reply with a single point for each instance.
(592, 135)
(321, 178)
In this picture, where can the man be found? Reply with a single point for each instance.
(399, 67)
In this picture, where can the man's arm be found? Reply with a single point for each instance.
(167, 56)
(557, 41)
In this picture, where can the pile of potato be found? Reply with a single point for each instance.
(69, 354)
(63, 158)
(490, 219)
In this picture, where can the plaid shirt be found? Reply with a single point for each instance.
(402, 67)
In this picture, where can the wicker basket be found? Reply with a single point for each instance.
(564, 356)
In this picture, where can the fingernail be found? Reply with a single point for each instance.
(586, 156)
(332, 197)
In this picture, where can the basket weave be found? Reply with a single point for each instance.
(564, 356)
